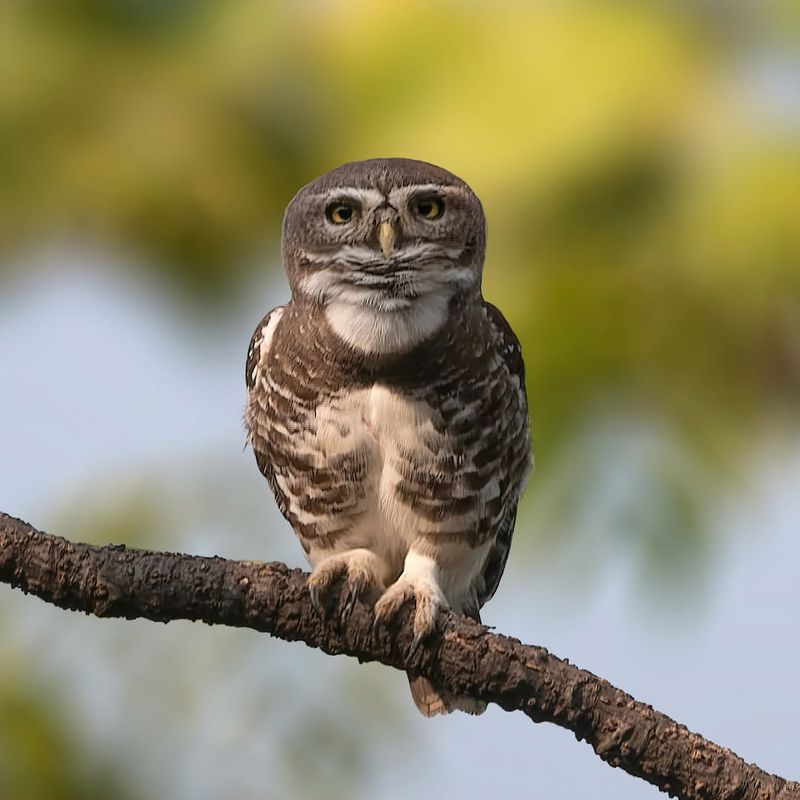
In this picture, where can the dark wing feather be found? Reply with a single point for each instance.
(495, 563)
(511, 351)
(254, 351)
(252, 366)
(508, 344)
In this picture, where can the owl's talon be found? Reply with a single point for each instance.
(313, 591)
(353, 589)
(418, 581)
(361, 569)
(347, 610)
(415, 643)
(390, 602)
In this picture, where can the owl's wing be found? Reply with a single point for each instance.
(510, 349)
(254, 352)
(256, 361)
(495, 563)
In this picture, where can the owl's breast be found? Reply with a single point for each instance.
(339, 467)
(377, 420)
(393, 431)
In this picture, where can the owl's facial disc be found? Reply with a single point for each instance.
(387, 251)
(383, 256)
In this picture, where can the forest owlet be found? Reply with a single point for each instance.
(386, 401)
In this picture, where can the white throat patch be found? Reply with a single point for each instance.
(380, 310)
(388, 330)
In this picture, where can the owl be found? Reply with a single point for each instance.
(386, 401)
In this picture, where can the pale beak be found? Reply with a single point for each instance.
(387, 236)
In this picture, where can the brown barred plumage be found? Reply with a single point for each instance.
(386, 401)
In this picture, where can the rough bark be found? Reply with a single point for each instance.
(466, 658)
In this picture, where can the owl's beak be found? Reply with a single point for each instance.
(387, 236)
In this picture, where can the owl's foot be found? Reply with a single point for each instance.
(361, 569)
(419, 580)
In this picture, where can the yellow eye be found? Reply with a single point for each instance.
(430, 207)
(340, 213)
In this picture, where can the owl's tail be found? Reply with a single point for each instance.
(432, 701)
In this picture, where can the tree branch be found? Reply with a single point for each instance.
(466, 658)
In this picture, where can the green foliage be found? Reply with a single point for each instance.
(643, 221)
(40, 757)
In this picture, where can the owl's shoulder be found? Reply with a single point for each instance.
(260, 343)
(506, 342)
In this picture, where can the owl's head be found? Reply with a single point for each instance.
(383, 247)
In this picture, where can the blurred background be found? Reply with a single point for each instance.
(640, 168)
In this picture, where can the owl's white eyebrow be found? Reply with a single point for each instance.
(404, 192)
(364, 196)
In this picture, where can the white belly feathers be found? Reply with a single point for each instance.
(389, 429)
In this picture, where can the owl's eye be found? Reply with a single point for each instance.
(429, 207)
(341, 212)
